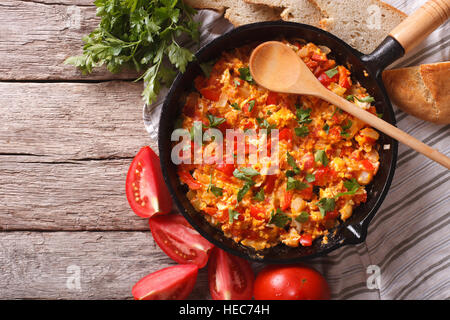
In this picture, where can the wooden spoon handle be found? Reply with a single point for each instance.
(414, 29)
(385, 127)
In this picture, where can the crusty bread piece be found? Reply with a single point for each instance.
(422, 91)
(363, 24)
(303, 11)
(238, 12)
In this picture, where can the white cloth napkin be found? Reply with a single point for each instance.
(406, 254)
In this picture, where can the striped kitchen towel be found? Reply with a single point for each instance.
(407, 251)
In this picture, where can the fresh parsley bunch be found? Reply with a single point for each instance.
(140, 34)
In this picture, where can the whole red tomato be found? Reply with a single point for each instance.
(290, 282)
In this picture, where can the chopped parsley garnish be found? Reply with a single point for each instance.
(326, 128)
(245, 174)
(291, 161)
(310, 177)
(295, 184)
(326, 205)
(302, 217)
(351, 185)
(302, 131)
(236, 83)
(232, 215)
(264, 124)
(259, 196)
(251, 104)
(344, 127)
(215, 121)
(365, 99)
(244, 74)
(235, 106)
(280, 219)
(321, 156)
(218, 192)
(332, 72)
(303, 115)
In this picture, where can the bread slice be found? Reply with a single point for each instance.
(238, 12)
(302, 11)
(422, 91)
(363, 24)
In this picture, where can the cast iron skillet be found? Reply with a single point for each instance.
(354, 230)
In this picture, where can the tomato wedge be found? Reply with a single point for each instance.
(146, 191)
(176, 237)
(230, 277)
(172, 283)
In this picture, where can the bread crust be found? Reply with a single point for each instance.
(422, 91)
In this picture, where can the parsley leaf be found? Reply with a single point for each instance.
(291, 161)
(235, 106)
(215, 121)
(302, 131)
(310, 177)
(326, 205)
(332, 72)
(321, 156)
(280, 219)
(259, 196)
(243, 191)
(303, 217)
(326, 128)
(232, 215)
(365, 99)
(351, 185)
(141, 35)
(244, 74)
(303, 115)
(295, 184)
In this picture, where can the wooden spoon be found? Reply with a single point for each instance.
(277, 67)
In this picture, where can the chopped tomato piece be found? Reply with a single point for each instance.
(306, 240)
(308, 161)
(319, 57)
(344, 77)
(269, 183)
(307, 193)
(257, 213)
(210, 210)
(287, 200)
(332, 215)
(146, 191)
(176, 237)
(272, 98)
(286, 134)
(325, 80)
(226, 168)
(187, 178)
(367, 165)
(230, 277)
(311, 64)
(172, 283)
(211, 93)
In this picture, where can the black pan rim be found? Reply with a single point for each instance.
(363, 226)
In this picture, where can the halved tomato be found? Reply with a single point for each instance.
(176, 237)
(146, 191)
(172, 283)
(230, 277)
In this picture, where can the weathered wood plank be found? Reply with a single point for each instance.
(71, 121)
(65, 149)
(38, 35)
(75, 195)
(39, 265)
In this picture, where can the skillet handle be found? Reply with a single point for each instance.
(414, 29)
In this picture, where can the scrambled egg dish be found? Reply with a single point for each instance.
(326, 156)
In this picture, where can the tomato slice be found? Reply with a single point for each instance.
(176, 237)
(230, 277)
(187, 178)
(272, 98)
(146, 191)
(172, 283)
(211, 93)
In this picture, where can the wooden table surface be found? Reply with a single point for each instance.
(66, 141)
